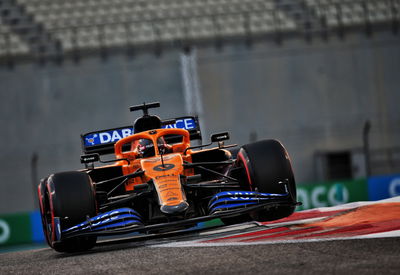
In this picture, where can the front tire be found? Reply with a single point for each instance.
(267, 167)
(70, 197)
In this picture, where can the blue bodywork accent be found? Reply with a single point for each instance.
(128, 219)
(118, 225)
(232, 206)
(114, 219)
(228, 200)
(57, 228)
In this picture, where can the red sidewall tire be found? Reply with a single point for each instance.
(69, 196)
(42, 193)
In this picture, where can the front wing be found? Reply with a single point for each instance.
(126, 220)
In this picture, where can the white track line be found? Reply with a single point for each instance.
(202, 243)
(199, 244)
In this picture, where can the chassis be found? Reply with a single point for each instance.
(173, 188)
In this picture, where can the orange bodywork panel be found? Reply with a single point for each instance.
(166, 177)
(164, 172)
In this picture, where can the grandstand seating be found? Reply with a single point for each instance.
(92, 24)
(10, 43)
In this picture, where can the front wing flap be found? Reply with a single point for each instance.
(229, 200)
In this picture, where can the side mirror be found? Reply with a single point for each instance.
(219, 137)
(90, 158)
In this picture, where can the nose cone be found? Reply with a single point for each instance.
(174, 209)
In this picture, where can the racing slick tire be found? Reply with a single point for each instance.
(70, 197)
(267, 166)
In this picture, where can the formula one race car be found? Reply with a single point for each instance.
(159, 182)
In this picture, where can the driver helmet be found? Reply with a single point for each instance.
(163, 147)
(146, 148)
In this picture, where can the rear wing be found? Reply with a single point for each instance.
(102, 142)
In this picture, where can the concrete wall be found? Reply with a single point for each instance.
(45, 109)
(310, 96)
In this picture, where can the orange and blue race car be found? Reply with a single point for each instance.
(158, 181)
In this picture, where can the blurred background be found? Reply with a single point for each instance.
(322, 76)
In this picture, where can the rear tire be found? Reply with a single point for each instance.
(69, 196)
(266, 163)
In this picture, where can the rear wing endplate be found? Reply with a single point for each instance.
(102, 142)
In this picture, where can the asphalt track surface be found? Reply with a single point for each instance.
(361, 256)
(359, 238)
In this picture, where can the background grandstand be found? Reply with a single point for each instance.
(54, 29)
